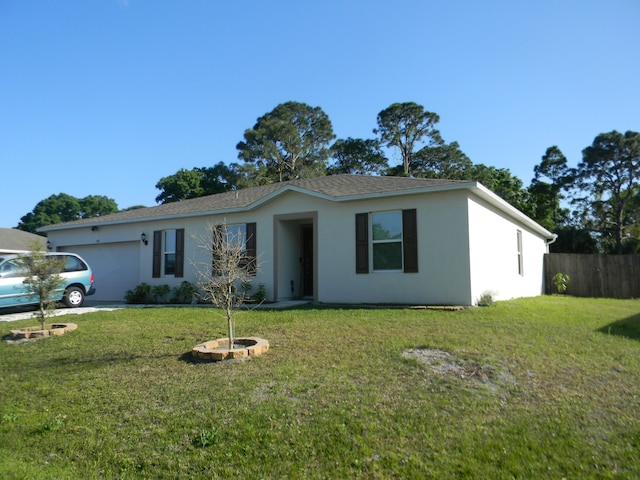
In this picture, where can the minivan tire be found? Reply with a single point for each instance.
(73, 297)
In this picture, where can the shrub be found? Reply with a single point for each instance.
(561, 281)
(140, 294)
(486, 299)
(185, 293)
(159, 293)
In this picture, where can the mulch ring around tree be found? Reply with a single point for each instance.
(19, 335)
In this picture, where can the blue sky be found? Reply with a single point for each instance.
(105, 97)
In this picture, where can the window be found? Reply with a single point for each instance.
(391, 237)
(519, 242)
(386, 240)
(168, 253)
(73, 264)
(245, 235)
(237, 234)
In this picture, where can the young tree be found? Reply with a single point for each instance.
(406, 126)
(221, 280)
(43, 279)
(610, 175)
(291, 141)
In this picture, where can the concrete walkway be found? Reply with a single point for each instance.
(25, 313)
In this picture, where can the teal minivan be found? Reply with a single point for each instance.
(77, 275)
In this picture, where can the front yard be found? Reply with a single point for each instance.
(534, 388)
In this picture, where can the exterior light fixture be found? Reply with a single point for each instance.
(49, 245)
(143, 238)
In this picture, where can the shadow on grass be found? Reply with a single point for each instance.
(188, 357)
(627, 327)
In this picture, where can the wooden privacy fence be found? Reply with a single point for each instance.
(614, 276)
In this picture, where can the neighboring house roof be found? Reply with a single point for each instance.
(13, 240)
(338, 188)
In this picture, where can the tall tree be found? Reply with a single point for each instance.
(501, 182)
(545, 196)
(292, 141)
(197, 182)
(445, 161)
(407, 126)
(357, 156)
(66, 208)
(610, 174)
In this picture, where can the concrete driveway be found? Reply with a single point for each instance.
(25, 313)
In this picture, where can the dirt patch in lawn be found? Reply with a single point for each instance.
(447, 364)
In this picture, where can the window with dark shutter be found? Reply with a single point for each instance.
(362, 243)
(179, 271)
(410, 241)
(157, 254)
(250, 247)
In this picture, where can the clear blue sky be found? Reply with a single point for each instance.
(105, 97)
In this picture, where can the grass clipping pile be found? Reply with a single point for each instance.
(446, 364)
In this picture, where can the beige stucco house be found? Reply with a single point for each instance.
(336, 239)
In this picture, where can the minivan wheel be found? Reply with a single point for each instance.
(73, 297)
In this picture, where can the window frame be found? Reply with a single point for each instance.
(159, 251)
(520, 252)
(364, 245)
(386, 241)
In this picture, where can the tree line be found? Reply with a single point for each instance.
(593, 207)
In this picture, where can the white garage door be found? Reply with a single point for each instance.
(116, 267)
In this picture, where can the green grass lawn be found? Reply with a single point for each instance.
(543, 388)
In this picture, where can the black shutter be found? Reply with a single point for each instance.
(362, 243)
(157, 253)
(250, 247)
(410, 241)
(179, 252)
(215, 261)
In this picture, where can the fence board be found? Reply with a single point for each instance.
(614, 276)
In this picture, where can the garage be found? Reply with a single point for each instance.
(116, 267)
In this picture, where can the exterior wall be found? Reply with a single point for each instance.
(494, 255)
(443, 266)
(465, 247)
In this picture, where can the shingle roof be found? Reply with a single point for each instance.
(14, 240)
(337, 187)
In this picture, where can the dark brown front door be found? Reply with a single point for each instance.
(307, 261)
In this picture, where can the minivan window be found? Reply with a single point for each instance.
(12, 268)
(74, 264)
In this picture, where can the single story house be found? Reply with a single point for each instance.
(13, 240)
(336, 239)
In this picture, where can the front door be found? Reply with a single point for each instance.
(307, 261)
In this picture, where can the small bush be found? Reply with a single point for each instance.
(561, 281)
(486, 299)
(159, 293)
(260, 294)
(140, 294)
(185, 293)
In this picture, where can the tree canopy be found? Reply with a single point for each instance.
(406, 126)
(66, 208)
(292, 141)
(609, 175)
(195, 183)
(357, 156)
